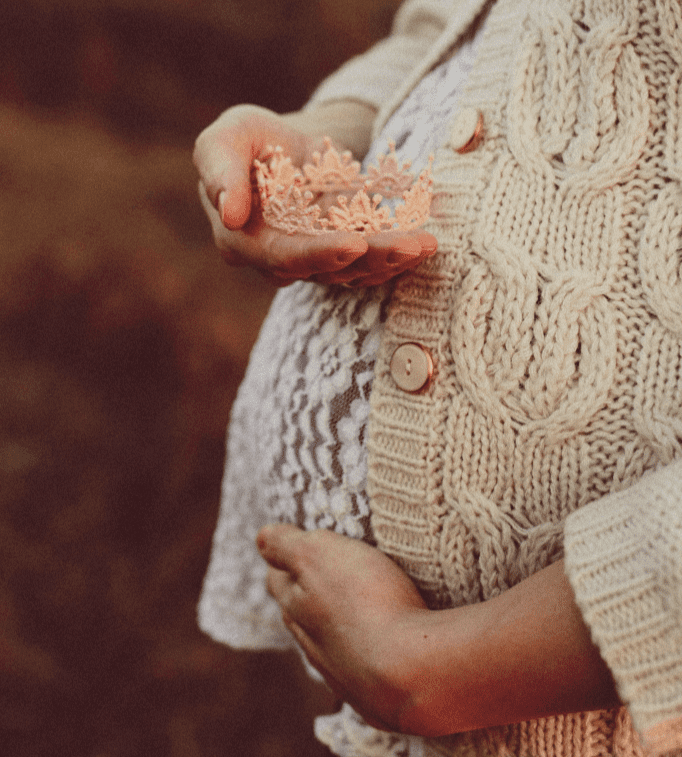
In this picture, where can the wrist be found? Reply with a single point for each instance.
(442, 678)
(525, 654)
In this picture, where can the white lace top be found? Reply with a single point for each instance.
(296, 448)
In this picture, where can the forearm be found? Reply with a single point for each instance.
(374, 76)
(347, 122)
(522, 655)
(345, 104)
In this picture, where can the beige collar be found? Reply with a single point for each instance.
(463, 15)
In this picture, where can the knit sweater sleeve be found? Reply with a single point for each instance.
(623, 557)
(371, 78)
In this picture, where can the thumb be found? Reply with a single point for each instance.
(225, 173)
(224, 151)
(229, 190)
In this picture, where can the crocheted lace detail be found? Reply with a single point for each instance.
(347, 734)
(287, 194)
(296, 448)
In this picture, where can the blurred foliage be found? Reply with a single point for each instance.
(168, 67)
(122, 342)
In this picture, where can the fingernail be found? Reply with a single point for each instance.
(431, 246)
(261, 538)
(346, 257)
(221, 205)
(396, 258)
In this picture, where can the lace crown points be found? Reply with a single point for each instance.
(287, 194)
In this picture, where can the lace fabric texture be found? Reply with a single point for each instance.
(297, 440)
(346, 733)
(296, 451)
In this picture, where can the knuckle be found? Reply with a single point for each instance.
(202, 146)
(218, 235)
(226, 243)
(288, 621)
(308, 553)
(218, 238)
(198, 148)
(270, 583)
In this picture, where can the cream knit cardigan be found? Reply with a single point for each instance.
(553, 311)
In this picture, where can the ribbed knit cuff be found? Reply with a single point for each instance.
(623, 557)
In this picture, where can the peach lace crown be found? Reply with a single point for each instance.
(288, 194)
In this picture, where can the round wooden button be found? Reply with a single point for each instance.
(467, 130)
(411, 367)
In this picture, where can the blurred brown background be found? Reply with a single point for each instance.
(122, 341)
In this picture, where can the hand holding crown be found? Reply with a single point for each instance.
(332, 250)
(287, 194)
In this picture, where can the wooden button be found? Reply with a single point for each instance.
(466, 132)
(411, 367)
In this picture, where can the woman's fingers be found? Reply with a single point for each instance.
(284, 257)
(388, 255)
(280, 585)
(280, 546)
(226, 179)
(304, 255)
(333, 258)
(405, 242)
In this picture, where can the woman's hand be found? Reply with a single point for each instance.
(224, 154)
(361, 622)
(347, 605)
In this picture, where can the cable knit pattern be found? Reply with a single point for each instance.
(552, 310)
